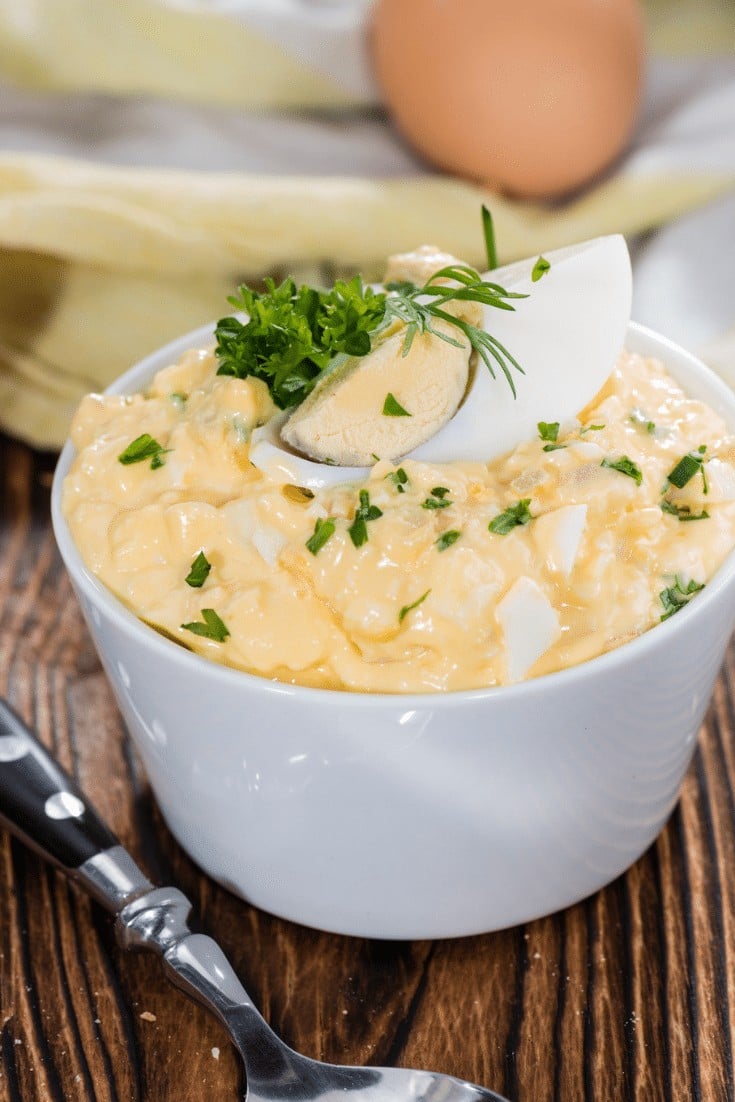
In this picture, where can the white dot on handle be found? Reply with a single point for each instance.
(64, 805)
(13, 747)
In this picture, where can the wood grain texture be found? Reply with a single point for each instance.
(627, 996)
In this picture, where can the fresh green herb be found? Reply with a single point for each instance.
(323, 530)
(199, 572)
(142, 448)
(393, 408)
(511, 518)
(210, 626)
(625, 466)
(419, 307)
(488, 232)
(399, 478)
(590, 428)
(687, 467)
(437, 499)
(291, 334)
(553, 447)
(638, 417)
(446, 539)
(676, 596)
(540, 269)
(682, 512)
(409, 608)
(364, 512)
(548, 430)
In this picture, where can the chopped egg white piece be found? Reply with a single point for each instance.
(558, 534)
(530, 625)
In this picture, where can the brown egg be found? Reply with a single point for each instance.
(532, 97)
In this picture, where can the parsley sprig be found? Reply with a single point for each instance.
(293, 333)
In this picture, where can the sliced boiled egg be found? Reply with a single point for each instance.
(566, 335)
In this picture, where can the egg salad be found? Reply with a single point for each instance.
(419, 576)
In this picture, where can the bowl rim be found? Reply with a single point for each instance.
(126, 620)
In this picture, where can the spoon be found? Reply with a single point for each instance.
(44, 807)
(567, 335)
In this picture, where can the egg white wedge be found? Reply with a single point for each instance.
(529, 623)
(566, 335)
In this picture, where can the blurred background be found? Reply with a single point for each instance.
(154, 153)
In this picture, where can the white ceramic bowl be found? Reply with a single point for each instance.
(416, 816)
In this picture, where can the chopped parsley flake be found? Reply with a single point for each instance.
(687, 467)
(677, 595)
(510, 518)
(364, 512)
(548, 430)
(682, 512)
(437, 499)
(590, 428)
(393, 408)
(446, 539)
(638, 417)
(624, 466)
(142, 448)
(399, 478)
(409, 608)
(323, 530)
(540, 269)
(199, 572)
(210, 626)
(553, 447)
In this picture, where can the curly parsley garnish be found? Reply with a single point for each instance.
(364, 512)
(210, 626)
(510, 518)
(677, 595)
(199, 572)
(409, 608)
(142, 448)
(292, 334)
(324, 529)
(624, 466)
(393, 408)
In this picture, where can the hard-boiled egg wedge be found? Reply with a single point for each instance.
(566, 335)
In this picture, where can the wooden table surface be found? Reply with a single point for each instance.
(628, 995)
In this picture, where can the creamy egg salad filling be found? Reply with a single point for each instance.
(420, 577)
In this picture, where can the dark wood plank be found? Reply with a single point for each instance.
(628, 996)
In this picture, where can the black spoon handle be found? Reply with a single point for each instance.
(42, 805)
